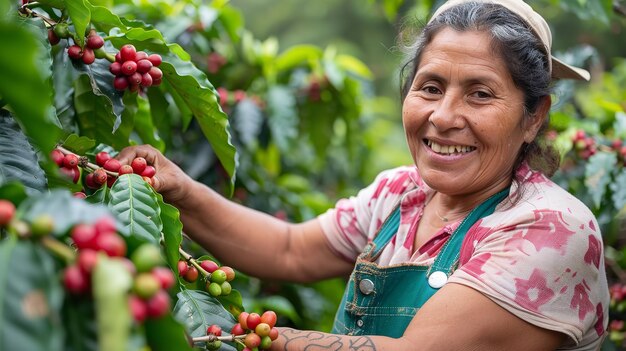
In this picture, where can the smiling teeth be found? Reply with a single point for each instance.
(449, 149)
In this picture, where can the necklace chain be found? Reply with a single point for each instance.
(444, 219)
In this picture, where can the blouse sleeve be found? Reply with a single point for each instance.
(545, 266)
(354, 221)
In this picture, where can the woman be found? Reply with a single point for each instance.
(473, 247)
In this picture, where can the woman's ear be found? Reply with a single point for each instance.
(536, 119)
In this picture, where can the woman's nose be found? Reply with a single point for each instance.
(448, 112)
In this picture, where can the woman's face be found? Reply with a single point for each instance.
(463, 116)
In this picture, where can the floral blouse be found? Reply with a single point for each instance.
(540, 257)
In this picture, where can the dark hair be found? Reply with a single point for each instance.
(524, 54)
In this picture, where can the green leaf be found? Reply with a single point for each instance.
(66, 210)
(78, 144)
(619, 190)
(353, 65)
(298, 56)
(13, 191)
(30, 298)
(201, 98)
(100, 196)
(135, 204)
(145, 127)
(247, 122)
(166, 334)
(18, 161)
(23, 85)
(96, 118)
(620, 125)
(111, 284)
(81, 16)
(172, 232)
(283, 118)
(79, 321)
(598, 174)
(232, 302)
(197, 310)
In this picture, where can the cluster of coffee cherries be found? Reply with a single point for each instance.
(585, 146)
(134, 69)
(7, 212)
(68, 163)
(617, 332)
(258, 331)
(217, 278)
(230, 98)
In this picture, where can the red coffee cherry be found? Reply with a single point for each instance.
(99, 177)
(116, 68)
(243, 319)
(53, 38)
(125, 169)
(75, 281)
(120, 83)
(80, 195)
(70, 161)
(128, 53)
(129, 67)
(143, 66)
(253, 320)
(146, 80)
(87, 260)
(209, 266)
(230, 273)
(149, 181)
(74, 52)
(57, 156)
(183, 268)
(94, 41)
(7, 212)
(155, 59)
(156, 73)
(118, 58)
(88, 56)
(273, 334)
(102, 157)
(84, 236)
(112, 165)
(138, 164)
(164, 276)
(141, 55)
(149, 172)
(252, 340)
(269, 317)
(112, 244)
(72, 173)
(237, 329)
(138, 308)
(191, 275)
(159, 304)
(105, 225)
(214, 329)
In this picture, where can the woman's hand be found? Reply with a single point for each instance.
(169, 180)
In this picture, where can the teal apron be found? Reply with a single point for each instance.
(383, 300)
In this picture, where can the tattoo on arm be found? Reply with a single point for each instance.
(316, 341)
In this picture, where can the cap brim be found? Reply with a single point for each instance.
(561, 70)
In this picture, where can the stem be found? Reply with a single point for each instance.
(211, 337)
(24, 9)
(91, 166)
(58, 248)
(191, 260)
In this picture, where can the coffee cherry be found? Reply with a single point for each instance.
(214, 329)
(105, 225)
(213, 345)
(263, 329)
(214, 289)
(138, 308)
(269, 317)
(218, 276)
(72, 173)
(230, 273)
(146, 80)
(149, 172)
(209, 266)
(237, 329)
(141, 55)
(266, 343)
(102, 157)
(7, 212)
(156, 73)
(118, 58)
(158, 305)
(226, 288)
(253, 320)
(84, 236)
(53, 38)
(94, 41)
(191, 275)
(87, 260)
(129, 67)
(57, 156)
(75, 281)
(99, 177)
(88, 56)
(112, 165)
(125, 169)
(183, 268)
(138, 164)
(155, 82)
(112, 244)
(111, 180)
(252, 340)
(70, 161)
(148, 180)
(80, 195)
(120, 83)
(42, 225)
(155, 59)
(164, 276)
(143, 66)
(115, 68)
(273, 334)
(146, 285)
(134, 79)
(74, 52)
(128, 53)
(243, 319)
(61, 30)
(146, 257)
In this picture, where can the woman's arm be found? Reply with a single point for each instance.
(456, 318)
(248, 240)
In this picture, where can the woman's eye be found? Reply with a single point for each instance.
(482, 95)
(430, 90)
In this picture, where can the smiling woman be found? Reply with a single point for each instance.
(472, 247)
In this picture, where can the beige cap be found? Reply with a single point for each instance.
(559, 69)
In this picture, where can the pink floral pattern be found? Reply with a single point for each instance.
(541, 259)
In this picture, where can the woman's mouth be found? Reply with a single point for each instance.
(448, 149)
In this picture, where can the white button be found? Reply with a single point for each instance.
(359, 323)
(366, 286)
(437, 279)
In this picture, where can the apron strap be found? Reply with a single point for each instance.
(386, 231)
(449, 254)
